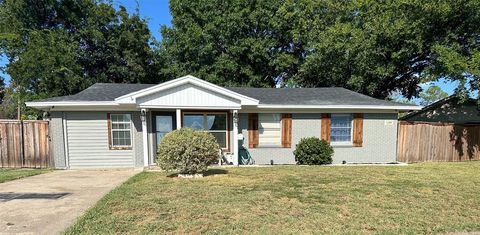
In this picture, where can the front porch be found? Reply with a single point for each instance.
(188, 102)
(221, 123)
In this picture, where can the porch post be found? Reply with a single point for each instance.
(179, 118)
(235, 137)
(143, 115)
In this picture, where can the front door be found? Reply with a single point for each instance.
(163, 123)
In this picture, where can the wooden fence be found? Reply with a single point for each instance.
(422, 141)
(24, 144)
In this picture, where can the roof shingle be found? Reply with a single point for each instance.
(271, 96)
(310, 96)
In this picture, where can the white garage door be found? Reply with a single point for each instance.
(87, 139)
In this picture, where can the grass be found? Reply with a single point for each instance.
(7, 174)
(420, 198)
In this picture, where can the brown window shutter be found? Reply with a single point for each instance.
(326, 126)
(357, 129)
(253, 130)
(286, 130)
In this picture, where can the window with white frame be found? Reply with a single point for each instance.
(214, 123)
(341, 129)
(269, 129)
(121, 130)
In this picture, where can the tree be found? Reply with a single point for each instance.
(61, 47)
(372, 47)
(397, 97)
(376, 47)
(48, 66)
(231, 43)
(432, 94)
(2, 89)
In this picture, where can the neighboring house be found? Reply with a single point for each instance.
(447, 110)
(120, 125)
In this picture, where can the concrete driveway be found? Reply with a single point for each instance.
(49, 203)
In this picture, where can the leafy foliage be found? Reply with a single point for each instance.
(313, 151)
(2, 89)
(373, 47)
(61, 47)
(432, 94)
(187, 151)
(226, 42)
(397, 97)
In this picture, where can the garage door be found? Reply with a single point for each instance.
(87, 139)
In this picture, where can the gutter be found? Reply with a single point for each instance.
(373, 107)
(70, 104)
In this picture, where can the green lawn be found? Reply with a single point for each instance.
(419, 198)
(7, 174)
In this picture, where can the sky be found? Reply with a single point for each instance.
(157, 13)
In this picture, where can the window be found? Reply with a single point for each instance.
(215, 123)
(121, 133)
(269, 129)
(341, 129)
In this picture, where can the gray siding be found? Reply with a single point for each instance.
(87, 139)
(57, 146)
(379, 140)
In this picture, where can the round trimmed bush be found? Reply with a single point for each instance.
(187, 151)
(313, 151)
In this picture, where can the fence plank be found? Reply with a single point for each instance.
(16, 146)
(28, 139)
(420, 142)
(24, 144)
(43, 144)
(3, 145)
(39, 134)
(37, 145)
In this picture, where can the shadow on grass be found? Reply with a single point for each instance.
(215, 172)
(209, 172)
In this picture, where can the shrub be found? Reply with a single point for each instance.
(187, 151)
(313, 151)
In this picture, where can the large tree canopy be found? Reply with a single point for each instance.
(373, 47)
(232, 42)
(61, 47)
(82, 40)
(225, 42)
(376, 47)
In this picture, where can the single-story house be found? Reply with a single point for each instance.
(121, 125)
(447, 110)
